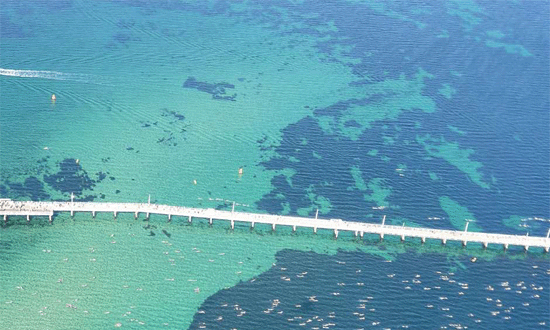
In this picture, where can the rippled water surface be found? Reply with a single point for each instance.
(433, 113)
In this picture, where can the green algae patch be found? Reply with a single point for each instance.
(382, 9)
(495, 34)
(380, 192)
(447, 91)
(523, 224)
(443, 34)
(458, 214)
(456, 156)
(433, 176)
(467, 10)
(456, 130)
(358, 178)
(372, 152)
(318, 202)
(509, 48)
(514, 222)
(393, 96)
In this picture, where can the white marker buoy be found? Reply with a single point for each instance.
(53, 98)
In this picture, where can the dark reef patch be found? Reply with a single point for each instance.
(101, 176)
(172, 113)
(32, 188)
(217, 90)
(3, 191)
(122, 38)
(70, 178)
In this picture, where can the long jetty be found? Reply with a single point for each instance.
(27, 209)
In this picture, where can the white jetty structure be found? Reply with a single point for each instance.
(27, 209)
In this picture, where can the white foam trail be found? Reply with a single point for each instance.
(49, 75)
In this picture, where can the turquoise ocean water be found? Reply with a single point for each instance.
(432, 113)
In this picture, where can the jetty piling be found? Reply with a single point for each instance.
(27, 209)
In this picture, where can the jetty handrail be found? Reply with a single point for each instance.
(30, 208)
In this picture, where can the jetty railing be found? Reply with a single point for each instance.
(28, 208)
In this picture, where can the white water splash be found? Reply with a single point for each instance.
(54, 75)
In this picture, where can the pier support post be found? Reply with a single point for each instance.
(294, 228)
(444, 241)
(169, 217)
(72, 204)
(232, 224)
(93, 214)
(355, 233)
(505, 246)
(361, 234)
(423, 240)
(547, 249)
(381, 236)
(464, 243)
(115, 213)
(252, 225)
(190, 219)
(485, 244)
(5, 218)
(28, 218)
(136, 215)
(335, 233)
(210, 221)
(384, 220)
(147, 215)
(273, 226)
(50, 218)
(526, 248)
(402, 238)
(315, 230)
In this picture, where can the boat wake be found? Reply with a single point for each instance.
(53, 75)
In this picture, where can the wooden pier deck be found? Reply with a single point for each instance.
(28, 209)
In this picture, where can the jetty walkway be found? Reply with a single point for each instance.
(27, 209)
